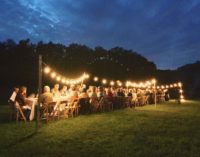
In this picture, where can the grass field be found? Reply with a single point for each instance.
(169, 130)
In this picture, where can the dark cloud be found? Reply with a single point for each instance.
(165, 32)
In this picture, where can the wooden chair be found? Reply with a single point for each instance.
(72, 108)
(19, 112)
(60, 110)
(46, 111)
(108, 104)
(94, 105)
(101, 104)
(12, 110)
(127, 102)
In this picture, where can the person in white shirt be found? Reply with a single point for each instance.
(14, 94)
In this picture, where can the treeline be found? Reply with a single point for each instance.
(19, 63)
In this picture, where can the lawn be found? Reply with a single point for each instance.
(169, 130)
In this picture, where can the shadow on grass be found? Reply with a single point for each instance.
(23, 139)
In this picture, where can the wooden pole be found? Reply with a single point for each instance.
(39, 91)
(82, 81)
(155, 94)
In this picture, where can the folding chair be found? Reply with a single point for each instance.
(19, 112)
(94, 105)
(72, 108)
(12, 109)
(101, 104)
(46, 110)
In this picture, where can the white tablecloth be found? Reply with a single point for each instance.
(34, 101)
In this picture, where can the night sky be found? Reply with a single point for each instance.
(166, 32)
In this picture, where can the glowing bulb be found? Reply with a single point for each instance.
(87, 76)
(104, 81)
(47, 70)
(148, 83)
(181, 91)
(58, 78)
(127, 83)
(96, 79)
(53, 74)
(175, 85)
(63, 80)
(182, 100)
(153, 81)
(180, 84)
(119, 84)
(112, 83)
(182, 97)
(134, 85)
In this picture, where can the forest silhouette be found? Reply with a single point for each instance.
(19, 65)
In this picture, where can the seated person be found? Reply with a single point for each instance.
(100, 92)
(73, 95)
(93, 94)
(130, 93)
(64, 91)
(21, 99)
(83, 94)
(47, 96)
(21, 96)
(109, 95)
(55, 91)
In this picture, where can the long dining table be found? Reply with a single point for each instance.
(34, 101)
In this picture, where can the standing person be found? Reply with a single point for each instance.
(11, 102)
(167, 95)
(14, 94)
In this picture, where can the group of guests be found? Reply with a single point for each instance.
(91, 96)
(18, 97)
(138, 97)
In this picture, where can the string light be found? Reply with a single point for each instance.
(53, 74)
(147, 84)
(64, 80)
(112, 83)
(153, 81)
(58, 78)
(104, 81)
(127, 83)
(96, 79)
(119, 83)
(47, 70)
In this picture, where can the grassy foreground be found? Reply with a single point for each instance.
(169, 130)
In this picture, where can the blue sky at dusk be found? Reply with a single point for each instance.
(166, 32)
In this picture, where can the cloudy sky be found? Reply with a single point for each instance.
(166, 32)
